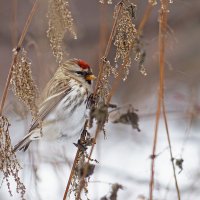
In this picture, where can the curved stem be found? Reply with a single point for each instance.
(24, 32)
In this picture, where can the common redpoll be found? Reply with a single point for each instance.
(63, 108)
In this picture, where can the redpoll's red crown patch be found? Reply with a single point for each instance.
(83, 64)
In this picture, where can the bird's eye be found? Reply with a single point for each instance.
(83, 73)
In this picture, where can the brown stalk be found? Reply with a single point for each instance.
(73, 167)
(14, 23)
(71, 174)
(162, 32)
(161, 103)
(170, 150)
(116, 82)
(18, 48)
(145, 17)
(140, 29)
(95, 92)
(82, 182)
(108, 47)
(113, 90)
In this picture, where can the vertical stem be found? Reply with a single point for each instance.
(14, 23)
(82, 182)
(171, 154)
(71, 174)
(145, 17)
(27, 24)
(108, 46)
(162, 32)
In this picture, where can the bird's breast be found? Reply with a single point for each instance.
(70, 114)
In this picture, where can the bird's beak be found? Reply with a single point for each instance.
(90, 77)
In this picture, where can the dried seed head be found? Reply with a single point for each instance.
(104, 86)
(60, 20)
(9, 165)
(140, 55)
(80, 165)
(124, 39)
(23, 84)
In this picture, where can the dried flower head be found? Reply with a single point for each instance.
(60, 20)
(23, 84)
(81, 164)
(140, 55)
(9, 165)
(125, 38)
(104, 82)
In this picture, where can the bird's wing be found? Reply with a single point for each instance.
(51, 98)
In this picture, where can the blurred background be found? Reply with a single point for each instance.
(124, 156)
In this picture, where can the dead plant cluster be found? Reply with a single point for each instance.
(23, 84)
(9, 165)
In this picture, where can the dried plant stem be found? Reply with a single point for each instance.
(27, 24)
(73, 166)
(118, 79)
(14, 22)
(108, 47)
(120, 70)
(161, 103)
(95, 92)
(82, 182)
(112, 91)
(170, 150)
(153, 155)
(71, 174)
(145, 17)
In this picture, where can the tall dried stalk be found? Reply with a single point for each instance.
(8, 162)
(161, 104)
(18, 48)
(103, 63)
(118, 9)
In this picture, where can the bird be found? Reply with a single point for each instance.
(62, 111)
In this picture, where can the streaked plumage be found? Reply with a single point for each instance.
(63, 104)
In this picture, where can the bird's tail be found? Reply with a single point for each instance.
(23, 144)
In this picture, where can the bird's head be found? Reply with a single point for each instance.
(80, 70)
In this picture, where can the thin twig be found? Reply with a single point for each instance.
(145, 17)
(24, 32)
(162, 32)
(161, 103)
(153, 155)
(139, 32)
(14, 23)
(170, 150)
(95, 92)
(73, 166)
(108, 47)
(113, 90)
(71, 174)
(82, 182)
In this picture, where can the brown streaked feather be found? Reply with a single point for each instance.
(54, 92)
(47, 107)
